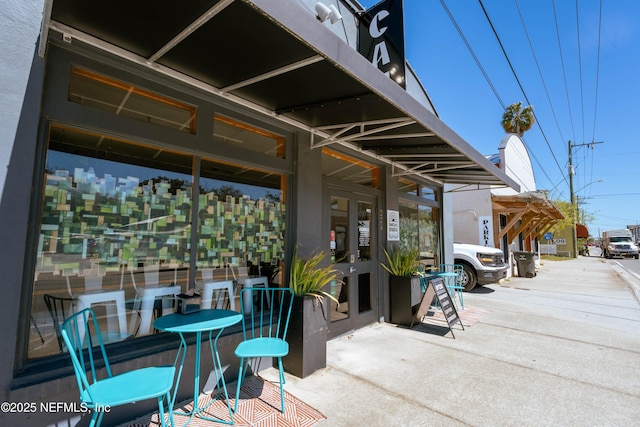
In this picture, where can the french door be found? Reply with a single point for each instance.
(352, 244)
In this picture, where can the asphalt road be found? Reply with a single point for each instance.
(630, 264)
(633, 265)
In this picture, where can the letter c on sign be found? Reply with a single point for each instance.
(374, 29)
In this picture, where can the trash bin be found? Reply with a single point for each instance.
(526, 263)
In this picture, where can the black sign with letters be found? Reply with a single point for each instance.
(437, 288)
(381, 38)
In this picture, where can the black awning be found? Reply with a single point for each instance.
(276, 57)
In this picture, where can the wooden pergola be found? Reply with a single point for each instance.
(530, 214)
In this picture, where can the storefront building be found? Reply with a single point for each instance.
(502, 217)
(159, 145)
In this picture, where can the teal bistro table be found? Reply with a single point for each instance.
(450, 279)
(209, 320)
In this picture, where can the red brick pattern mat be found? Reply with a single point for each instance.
(259, 407)
(468, 316)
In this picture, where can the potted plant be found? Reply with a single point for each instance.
(405, 290)
(307, 335)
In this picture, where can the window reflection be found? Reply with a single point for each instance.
(349, 169)
(248, 137)
(121, 98)
(364, 231)
(115, 232)
(419, 230)
(111, 230)
(240, 222)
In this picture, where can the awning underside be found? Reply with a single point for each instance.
(277, 58)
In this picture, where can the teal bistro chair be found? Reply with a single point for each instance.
(265, 321)
(101, 394)
(453, 276)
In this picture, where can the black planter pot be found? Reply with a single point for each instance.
(405, 294)
(307, 336)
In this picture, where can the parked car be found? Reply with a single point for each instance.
(481, 264)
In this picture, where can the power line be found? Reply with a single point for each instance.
(580, 67)
(488, 79)
(515, 75)
(535, 58)
(595, 110)
(564, 74)
(616, 195)
(473, 54)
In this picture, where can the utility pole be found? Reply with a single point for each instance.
(574, 204)
(574, 237)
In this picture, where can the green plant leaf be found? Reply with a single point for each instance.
(307, 277)
(402, 263)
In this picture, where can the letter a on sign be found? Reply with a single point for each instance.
(381, 38)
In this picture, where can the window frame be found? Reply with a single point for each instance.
(57, 109)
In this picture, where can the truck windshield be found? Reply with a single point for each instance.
(620, 239)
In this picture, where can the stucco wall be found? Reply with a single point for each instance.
(467, 206)
(516, 163)
(20, 25)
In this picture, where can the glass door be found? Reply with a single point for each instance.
(352, 240)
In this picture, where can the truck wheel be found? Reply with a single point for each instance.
(469, 279)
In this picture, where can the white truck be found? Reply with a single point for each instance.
(481, 264)
(618, 243)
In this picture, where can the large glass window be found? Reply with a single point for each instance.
(116, 233)
(248, 137)
(419, 230)
(240, 219)
(118, 97)
(349, 169)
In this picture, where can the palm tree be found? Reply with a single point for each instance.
(515, 120)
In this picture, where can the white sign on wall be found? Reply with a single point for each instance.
(548, 249)
(393, 226)
(485, 231)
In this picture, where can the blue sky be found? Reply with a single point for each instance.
(582, 77)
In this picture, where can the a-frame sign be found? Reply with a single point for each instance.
(437, 288)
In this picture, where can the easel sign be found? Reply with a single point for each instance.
(437, 288)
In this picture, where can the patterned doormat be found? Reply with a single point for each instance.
(468, 316)
(259, 407)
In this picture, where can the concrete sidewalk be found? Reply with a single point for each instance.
(560, 349)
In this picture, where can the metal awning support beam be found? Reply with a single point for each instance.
(410, 171)
(439, 164)
(282, 70)
(363, 123)
(332, 140)
(203, 19)
(395, 136)
(428, 156)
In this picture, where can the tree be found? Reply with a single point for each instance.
(566, 208)
(571, 216)
(516, 119)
